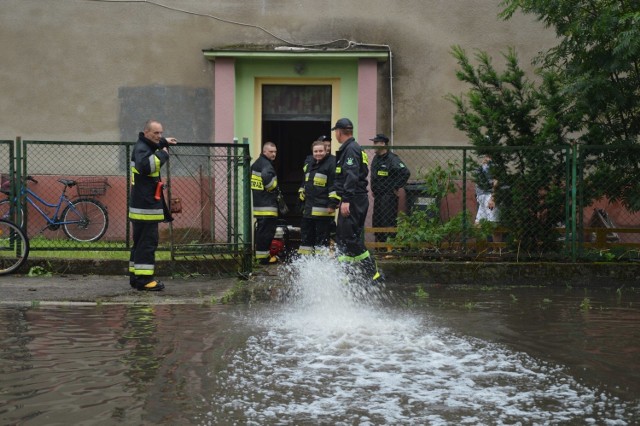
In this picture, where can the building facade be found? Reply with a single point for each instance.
(95, 70)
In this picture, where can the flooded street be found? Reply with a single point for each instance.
(330, 352)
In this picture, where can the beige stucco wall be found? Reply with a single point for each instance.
(66, 63)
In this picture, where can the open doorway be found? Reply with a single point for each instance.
(293, 117)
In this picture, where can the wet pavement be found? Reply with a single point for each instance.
(96, 282)
(97, 289)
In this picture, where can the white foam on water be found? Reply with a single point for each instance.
(337, 354)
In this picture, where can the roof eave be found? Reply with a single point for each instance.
(296, 53)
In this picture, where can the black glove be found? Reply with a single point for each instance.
(282, 206)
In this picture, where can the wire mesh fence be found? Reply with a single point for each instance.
(608, 189)
(73, 197)
(208, 193)
(514, 203)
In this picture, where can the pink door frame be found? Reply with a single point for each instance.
(225, 89)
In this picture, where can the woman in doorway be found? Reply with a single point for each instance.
(317, 216)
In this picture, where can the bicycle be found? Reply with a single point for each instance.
(14, 247)
(82, 219)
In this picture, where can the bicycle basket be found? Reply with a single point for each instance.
(92, 186)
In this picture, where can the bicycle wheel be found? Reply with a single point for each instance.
(85, 220)
(14, 247)
(5, 210)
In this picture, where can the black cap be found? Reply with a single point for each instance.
(323, 138)
(343, 123)
(380, 137)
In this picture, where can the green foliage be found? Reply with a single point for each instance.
(424, 226)
(501, 110)
(588, 94)
(596, 67)
(585, 305)
(38, 271)
(420, 293)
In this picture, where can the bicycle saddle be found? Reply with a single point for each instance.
(67, 182)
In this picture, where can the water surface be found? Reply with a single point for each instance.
(333, 353)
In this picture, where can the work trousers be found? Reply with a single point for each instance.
(265, 230)
(385, 214)
(350, 237)
(143, 252)
(314, 234)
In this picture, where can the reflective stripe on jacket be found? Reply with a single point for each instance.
(146, 160)
(318, 187)
(264, 184)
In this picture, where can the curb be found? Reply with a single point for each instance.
(396, 271)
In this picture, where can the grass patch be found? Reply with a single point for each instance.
(38, 271)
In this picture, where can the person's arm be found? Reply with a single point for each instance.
(331, 184)
(350, 169)
(148, 162)
(269, 179)
(165, 142)
(401, 174)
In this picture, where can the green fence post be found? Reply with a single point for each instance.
(464, 199)
(246, 206)
(127, 232)
(232, 210)
(574, 159)
(13, 184)
(19, 181)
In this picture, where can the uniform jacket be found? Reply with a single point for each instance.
(146, 160)
(352, 168)
(305, 170)
(264, 185)
(388, 173)
(318, 186)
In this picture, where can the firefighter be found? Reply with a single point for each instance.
(147, 207)
(264, 188)
(318, 215)
(389, 175)
(307, 164)
(352, 197)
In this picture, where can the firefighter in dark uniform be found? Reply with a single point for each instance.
(264, 188)
(389, 175)
(307, 164)
(318, 215)
(147, 207)
(352, 197)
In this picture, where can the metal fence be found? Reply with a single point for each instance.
(557, 203)
(560, 203)
(206, 183)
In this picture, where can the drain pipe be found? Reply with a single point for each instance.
(391, 112)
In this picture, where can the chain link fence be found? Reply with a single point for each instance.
(556, 203)
(206, 188)
(608, 189)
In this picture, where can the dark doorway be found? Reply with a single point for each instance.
(293, 117)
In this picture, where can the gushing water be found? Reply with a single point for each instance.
(336, 351)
